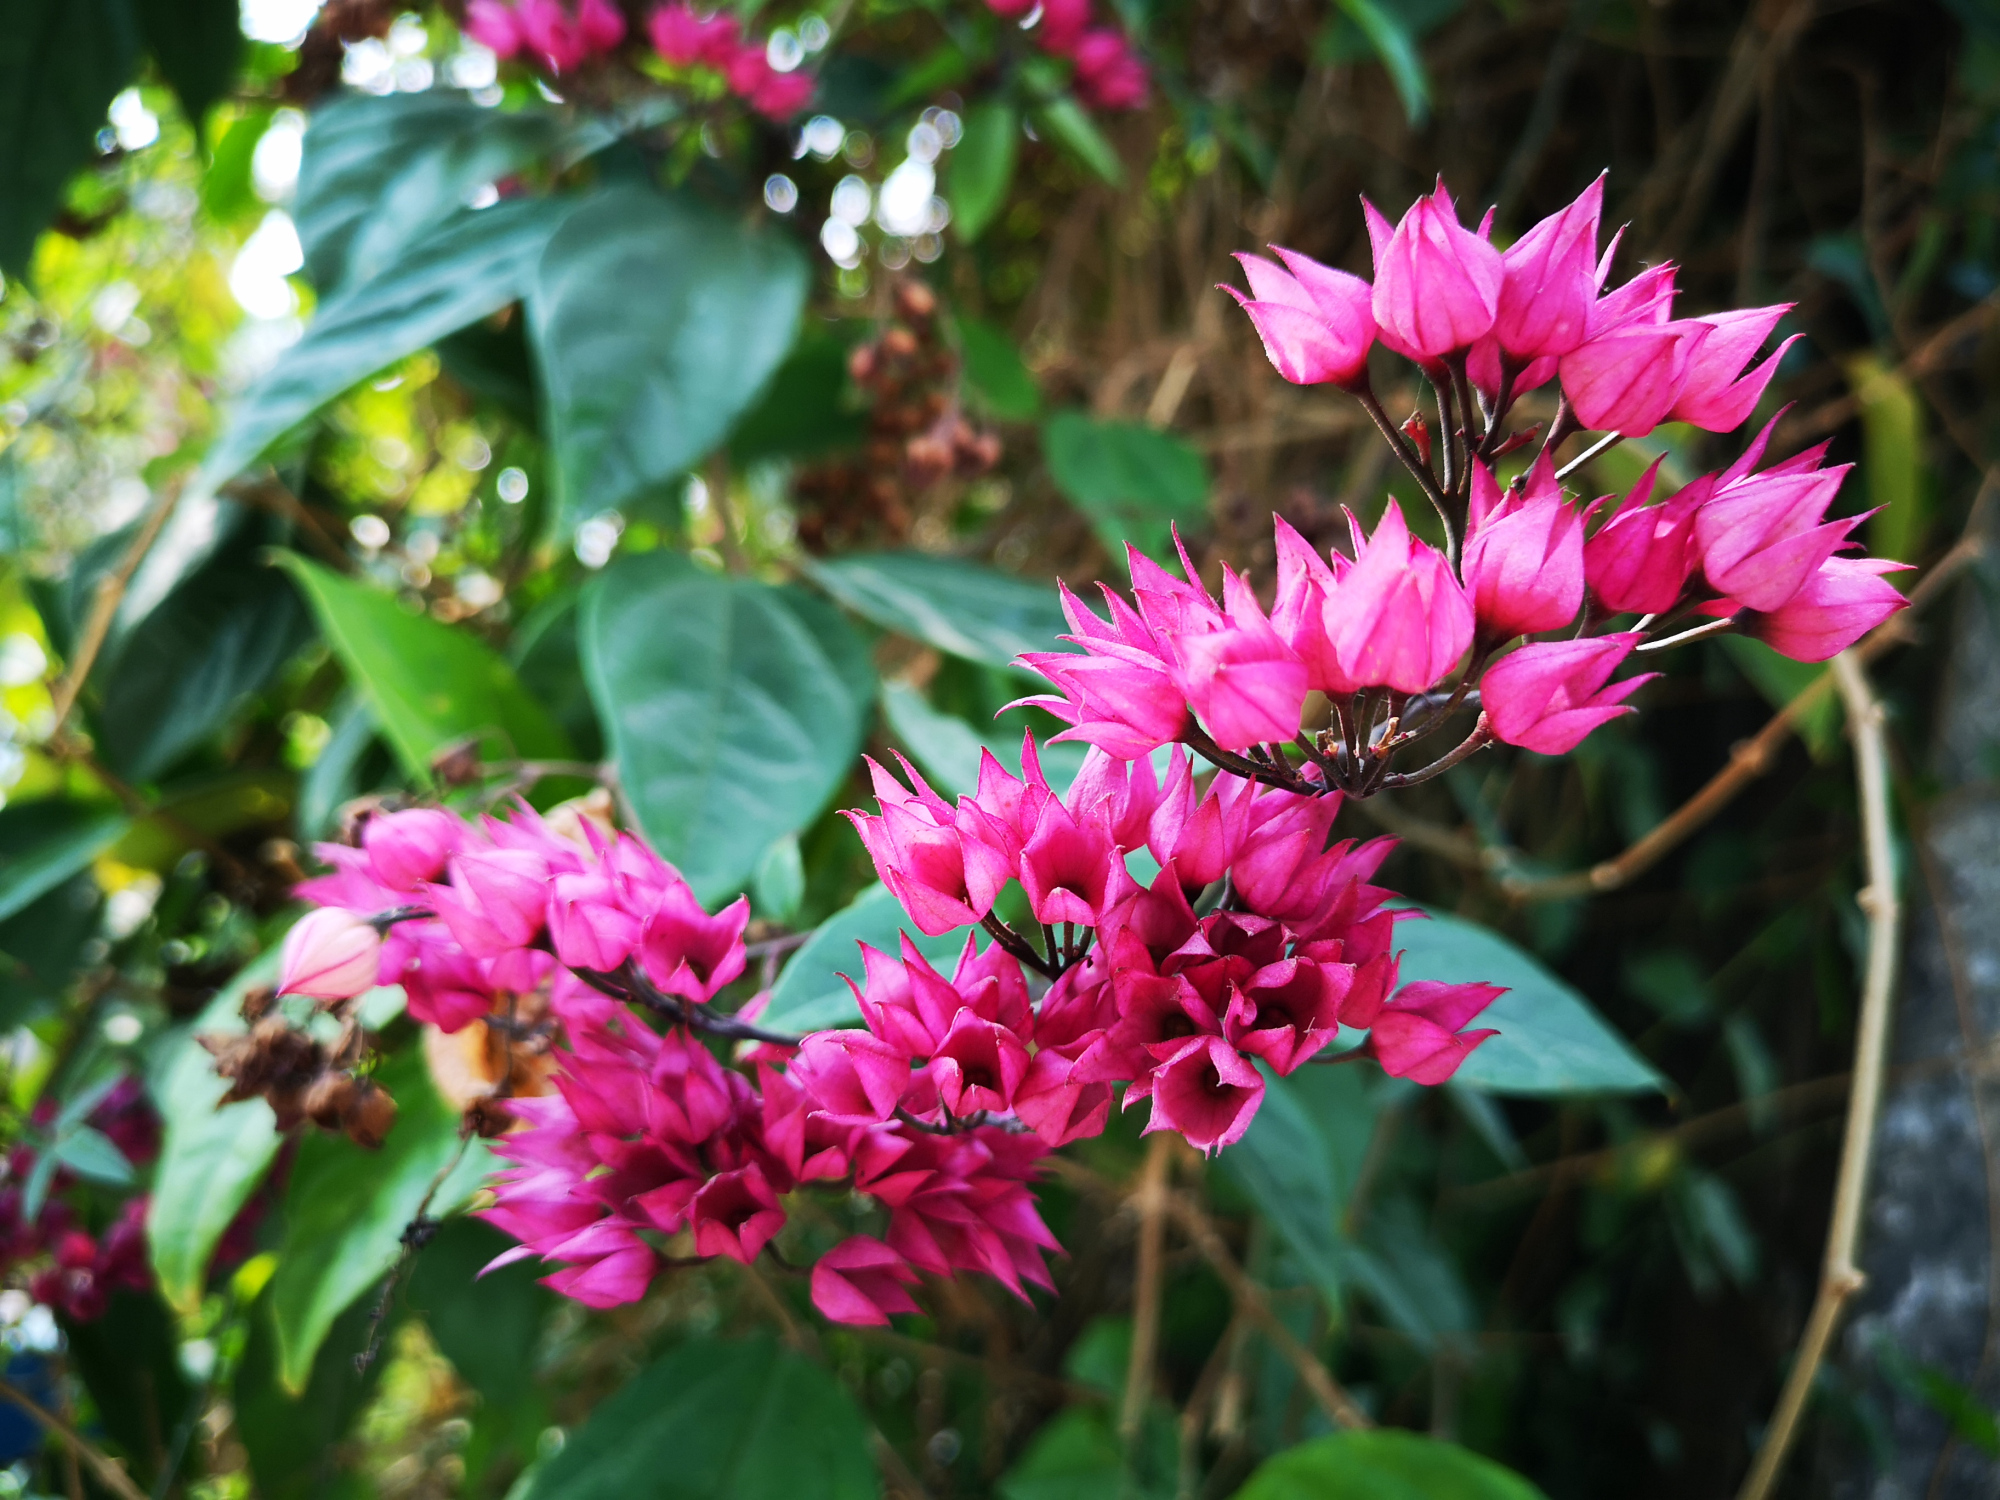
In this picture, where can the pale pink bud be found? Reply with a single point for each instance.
(1437, 284)
(1715, 398)
(1523, 563)
(1627, 380)
(330, 954)
(1548, 696)
(1842, 602)
(1317, 323)
(1398, 618)
(1641, 558)
(1548, 283)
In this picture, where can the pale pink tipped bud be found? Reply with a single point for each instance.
(1628, 380)
(330, 954)
(493, 25)
(1523, 564)
(1399, 618)
(1718, 396)
(1417, 1035)
(1641, 558)
(1437, 284)
(1842, 602)
(1209, 1092)
(1549, 282)
(861, 1281)
(1548, 696)
(1316, 323)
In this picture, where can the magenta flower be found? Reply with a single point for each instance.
(1208, 1092)
(1121, 695)
(1109, 75)
(1840, 603)
(1548, 696)
(1719, 396)
(1523, 563)
(938, 862)
(1242, 680)
(1627, 380)
(1419, 1034)
(861, 1281)
(1317, 323)
(492, 24)
(1761, 536)
(329, 955)
(589, 924)
(1070, 867)
(852, 1078)
(1640, 559)
(1399, 618)
(685, 38)
(687, 952)
(1437, 284)
(1306, 581)
(735, 1214)
(407, 848)
(496, 902)
(1549, 283)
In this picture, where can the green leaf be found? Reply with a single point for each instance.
(293, 1439)
(215, 640)
(1133, 483)
(430, 685)
(982, 167)
(735, 709)
(995, 374)
(809, 994)
(1066, 122)
(947, 749)
(717, 1421)
(129, 1359)
(41, 946)
(346, 1209)
(488, 1324)
(1892, 458)
(42, 844)
(1396, 45)
(468, 266)
(1385, 1464)
(1290, 1168)
(198, 44)
(211, 1158)
(63, 62)
(959, 607)
(336, 777)
(228, 188)
(377, 172)
(779, 886)
(1551, 1042)
(804, 410)
(656, 322)
(89, 1152)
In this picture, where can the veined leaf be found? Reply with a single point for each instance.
(1133, 483)
(809, 994)
(959, 607)
(1385, 1464)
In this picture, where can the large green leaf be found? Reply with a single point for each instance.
(734, 708)
(61, 64)
(129, 1360)
(959, 607)
(947, 749)
(1134, 483)
(656, 322)
(717, 1421)
(211, 1159)
(346, 1209)
(1386, 1464)
(486, 1325)
(428, 683)
(982, 167)
(378, 171)
(293, 1438)
(809, 994)
(996, 377)
(1550, 1041)
(216, 639)
(198, 44)
(41, 946)
(457, 272)
(42, 844)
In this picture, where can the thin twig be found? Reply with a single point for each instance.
(1151, 1203)
(1255, 1304)
(104, 605)
(110, 1473)
(1841, 1277)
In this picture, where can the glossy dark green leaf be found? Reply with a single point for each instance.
(995, 375)
(198, 44)
(805, 409)
(455, 273)
(982, 167)
(41, 947)
(1385, 1464)
(42, 844)
(211, 1158)
(293, 1438)
(734, 708)
(346, 1209)
(810, 995)
(1067, 123)
(717, 1421)
(656, 323)
(1551, 1041)
(486, 1325)
(377, 171)
(62, 63)
(1135, 484)
(429, 684)
(959, 607)
(214, 641)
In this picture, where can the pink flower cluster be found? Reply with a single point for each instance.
(941, 1108)
(1108, 73)
(561, 38)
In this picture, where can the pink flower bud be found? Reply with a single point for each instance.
(1317, 323)
(1108, 74)
(1306, 581)
(683, 38)
(689, 953)
(735, 1214)
(1548, 696)
(407, 848)
(1548, 281)
(852, 1077)
(861, 1281)
(1437, 284)
(1640, 560)
(1398, 618)
(1715, 398)
(1241, 680)
(1418, 1036)
(1523, 563)
(589, 925)
(1761, 536)
(1063, 25)
(782, 95)
(493, 25)
(330, 954)
(1842, 602)
(1628, 380)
